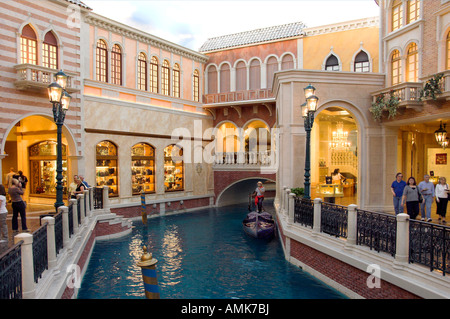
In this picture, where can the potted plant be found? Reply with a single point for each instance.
(377, 107)
(299, 191)
(432, 87)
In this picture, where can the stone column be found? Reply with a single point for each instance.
(402, 241)
(28, 284)
(317, 215)
(291, 208)
(75, 213)
(351, 225)
(65, 224)
(51, 241)
(80, 197)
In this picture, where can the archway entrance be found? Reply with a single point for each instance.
(334, 157)
(237, 192)
(31, 148)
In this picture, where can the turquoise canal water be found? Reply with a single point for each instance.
(201, 255)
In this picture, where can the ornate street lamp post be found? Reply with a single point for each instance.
(60, 100)
(308, 110)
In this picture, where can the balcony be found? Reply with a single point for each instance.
(442, 87)
(262, 94)
(408, 94)
(37, 78)
(264, 160)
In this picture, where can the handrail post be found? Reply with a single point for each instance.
(352, 224)
(75, 213)
(402, 241)
(86, 203)
(28, 284)
(105, 197)
(80, 197)
(291, 208)
(51, 242)
(282, 207)
(317, 215)
(65, 224)
(287, 191)
(91, 200)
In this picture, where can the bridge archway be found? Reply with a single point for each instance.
(237, 192)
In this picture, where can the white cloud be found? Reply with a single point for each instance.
(191, 23)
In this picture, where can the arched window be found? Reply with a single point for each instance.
(255, 75)
(28, 46)
(143, 168)
(176, 80)
(102, 61)
(50, 51)
(116, 65)
(241, 76)
(412, 64)
(448, 51)
(272, 67)
(173, 168)
(397, 15)
(362, 63)
(287, 62)
(106, 167)
(154, 75)
(396, 67)
(212, 79)
(142, 72)
(225, 78)
(332, 63)
(196, 86)
(413, 10)
(165, 78)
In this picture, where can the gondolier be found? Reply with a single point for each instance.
(259, 196)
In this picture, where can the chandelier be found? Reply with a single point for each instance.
(339, 137)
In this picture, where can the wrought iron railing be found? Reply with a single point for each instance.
(40, 255)
(11, 273)
(429, 245)
(304, 212)
(98, 198)
(377, 231)
(334, 220)
(58, 232)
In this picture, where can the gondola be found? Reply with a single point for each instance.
(259, 225)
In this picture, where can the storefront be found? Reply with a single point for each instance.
(334, 156)
(42, 179)
(143, 168)
(173, 168)
(106, 167)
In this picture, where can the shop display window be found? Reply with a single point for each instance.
(43, 168)
(143, 169)
(106, 167)
(173, 168)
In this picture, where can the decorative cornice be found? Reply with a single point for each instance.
(343, 26)
(143, 37)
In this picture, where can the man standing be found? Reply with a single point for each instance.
(426, 188)
(397, 191)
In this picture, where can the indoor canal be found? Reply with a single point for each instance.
(201, 255)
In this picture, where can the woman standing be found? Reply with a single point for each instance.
(18, 206)
(442, 199)
(3, 214)
(412, 198)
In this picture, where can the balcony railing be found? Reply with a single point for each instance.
(30, 76)
(408, 94)
(247, 159)
(237, 96)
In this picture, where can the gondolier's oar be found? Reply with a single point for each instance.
(143, 210)
(249, 202)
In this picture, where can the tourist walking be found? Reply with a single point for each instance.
(18, 206)
(412, 197)
(442, 199)
(426, 188)
(3, 214)
(397, 187)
